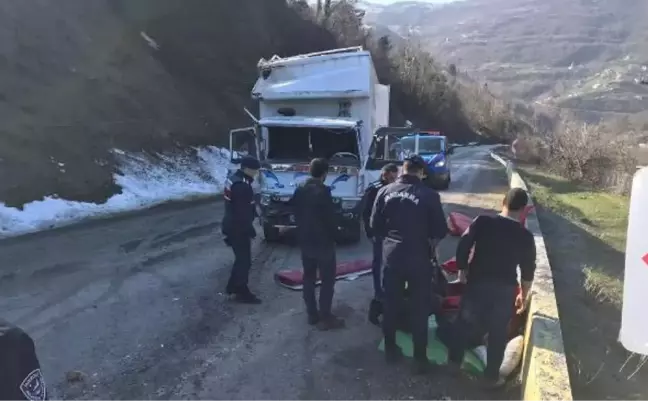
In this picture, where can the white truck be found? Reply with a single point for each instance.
(327, 104)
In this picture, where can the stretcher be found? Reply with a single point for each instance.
(458, 223)
(294, 278)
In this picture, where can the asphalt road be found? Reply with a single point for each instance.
(133, 308)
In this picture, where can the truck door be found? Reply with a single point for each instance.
(243, 142)
(385, 148)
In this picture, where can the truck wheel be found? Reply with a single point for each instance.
(270, 233)
(353, 234)
(446, 183)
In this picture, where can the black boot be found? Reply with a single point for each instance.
(246, 297)
(313, 319)
(393, 354)
(375, 311)
(422, 365)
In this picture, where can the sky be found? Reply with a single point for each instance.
(398, 1)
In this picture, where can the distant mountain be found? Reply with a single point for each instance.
(589, 56)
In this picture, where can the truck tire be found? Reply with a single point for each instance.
(353, 234)
(446, 184)
(270, 233)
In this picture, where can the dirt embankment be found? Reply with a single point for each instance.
(78, 78)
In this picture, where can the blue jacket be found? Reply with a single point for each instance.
(369, 198)
(409, 215)
(240, 207)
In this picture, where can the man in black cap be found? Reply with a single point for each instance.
(388, 175)
(20, 374)
(238, 229)
(409, 216)
(317, 227)
(501, 244)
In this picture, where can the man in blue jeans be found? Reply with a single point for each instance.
(388, 175)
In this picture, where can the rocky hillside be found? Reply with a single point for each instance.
(588, 56)
(82, 78)
(79, 78)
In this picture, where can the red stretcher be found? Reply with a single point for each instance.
(458, 223)
(294, 278)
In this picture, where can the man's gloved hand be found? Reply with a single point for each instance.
(252, 233)
(227, 241)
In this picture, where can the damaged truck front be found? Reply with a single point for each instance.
(326, 104)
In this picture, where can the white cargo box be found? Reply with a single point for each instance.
(340, 73)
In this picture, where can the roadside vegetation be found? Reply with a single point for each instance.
(585, 233)
(580, 176)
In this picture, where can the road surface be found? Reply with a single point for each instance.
(133, 308)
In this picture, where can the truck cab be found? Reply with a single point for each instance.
(325, 104)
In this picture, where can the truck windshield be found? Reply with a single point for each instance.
(289, 144)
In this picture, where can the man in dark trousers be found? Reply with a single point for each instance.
(238, 229)
(317, 227)
(501, 244)
(20, 374)
(409, 216)
(388, 175)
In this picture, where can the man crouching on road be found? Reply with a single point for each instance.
(317, 227)
(500, 243)
(388, 175)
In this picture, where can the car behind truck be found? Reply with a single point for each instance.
(393, 145)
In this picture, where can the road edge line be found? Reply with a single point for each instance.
(545, 375)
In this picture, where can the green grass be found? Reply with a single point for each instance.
(603, 215)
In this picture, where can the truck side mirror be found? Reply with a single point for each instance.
(450, 150)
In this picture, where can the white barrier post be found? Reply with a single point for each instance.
(634, 324)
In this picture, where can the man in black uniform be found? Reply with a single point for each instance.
(388, 175)
(317, 227)
(238, 229)
(501, 244)
(409, 216)
(20, 374)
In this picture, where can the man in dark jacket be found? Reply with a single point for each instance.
(20, 374)
(501, 244)
(409, 216)
(317, 227)
(388, 175)
(238, 229)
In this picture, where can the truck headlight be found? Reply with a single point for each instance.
(265, 199)
(440, 163)
(349, 204)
